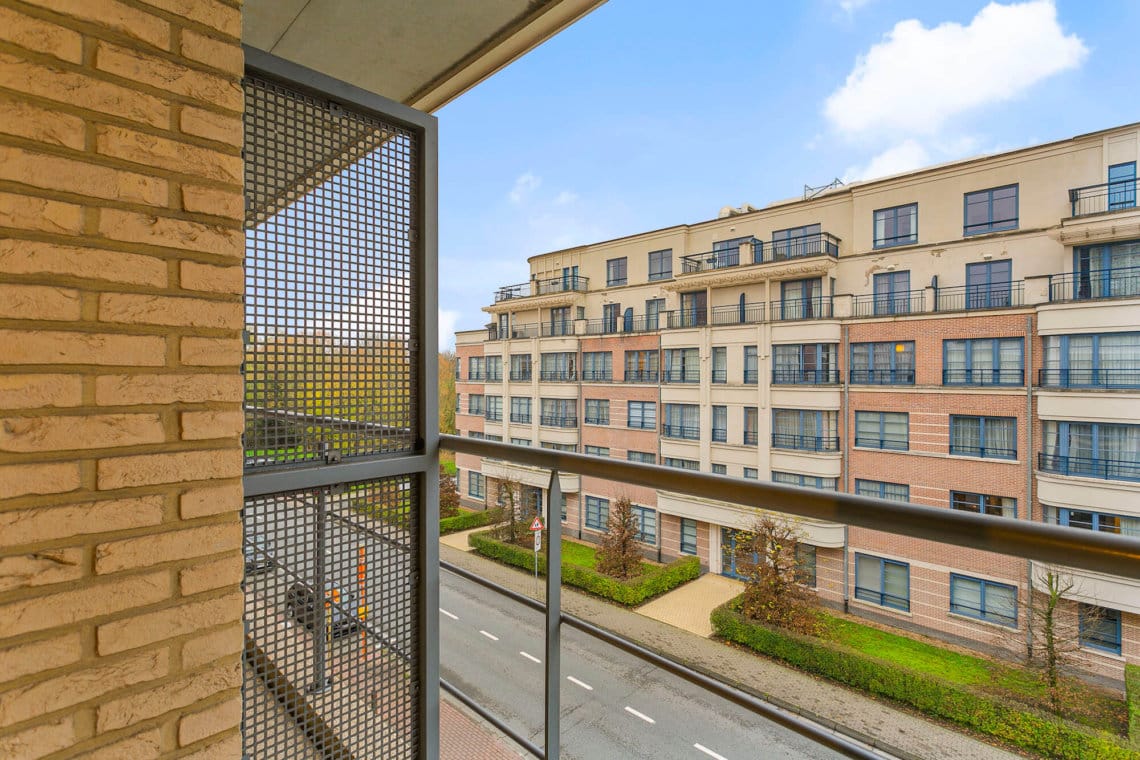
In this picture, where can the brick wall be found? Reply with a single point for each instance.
(120, 320)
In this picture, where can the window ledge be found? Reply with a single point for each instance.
(970, 619)
(879, 607)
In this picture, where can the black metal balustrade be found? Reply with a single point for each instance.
(523, 419)
(738, 314)
(513, 333)
(563, 284)
(557, 375)
(805, 442)
(686, 375)
(791, 309)
(751, 377)
(520, 376)
(983, 376)
(881, 376)
(557, 329)
(621, 324)
(803, 246)
(641, 375)
(687, 318)
(905, 302)
(720, 376)
(985, 452)
(971, 297)
(751, 438)
(1092, 284)
(1104, 197)
(558, 420)
(801, 376)
(688, 432)
(598, 375)
(1089, 377)
(710, 261)
(1090, 467)
(493, 415)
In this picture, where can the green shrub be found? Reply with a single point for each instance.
(1132, 696)
(654, 579)
(933, 696)
(468, 520)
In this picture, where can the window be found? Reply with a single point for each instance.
(645, 457)
(694, 309)
(688, 536)
(475, 403)
(751, 426)
(880, 490)
(558, 366)
(806, 481)
(751, 473)
(476, 485)
(984, 361)
(597, 411)
(1092, 361)
(983, 504)
(598, 365)
(646, 521)
(989, 284)
(520, 366)
(719, 469)
(559, 412)
(1091, 449)
(520, 441)
(719, 364)
(990, 210)
(682, 421)
(882, 581)
(887, 363)
(458, 402)
(982, 599)
(804, 429)
(681, 464)
(642, 415)
(720, 424)
(496, 438)
(494, 408)
(808, 363)
(661, 264)
(1101, 522)
(564, 503)
(597, 512)
(896, 226)
(796, 241)
(1122, 186)
(805, 564)
(751, 366)
(495, 368)
(726, 253)
(882, 430)
(641, 366)
(476, 368)
(598, 451)
(653, 309)
(616, 272)
(1106, 271)
(1100, 627)
(892, 293)
(800, 299)
(987, 437)
(520, 409)
(475, 434)
(560, 323)
(569, 447)
(611, 312)
(682, 365)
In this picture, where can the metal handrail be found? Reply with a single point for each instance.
(738, 314)
(881, 376)
(815, 307)
(799, 442)
(684, 432)
(1093, 284)
(641, 376)
(885, 305)
(800, 376)
(971, 297)
(1087, 550)
(1117, 195)
(1091, 377)
(544, 286)
(1089, 467)
(987, 376)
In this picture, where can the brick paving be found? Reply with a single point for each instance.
(463, 736)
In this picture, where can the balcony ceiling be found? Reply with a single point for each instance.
(423, 53)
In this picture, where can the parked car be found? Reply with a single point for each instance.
(303, 606)
(258, 551)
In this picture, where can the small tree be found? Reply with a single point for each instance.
(774, 593)
(515, 526)
(448, 495)
(1054, 636)
(619, 556)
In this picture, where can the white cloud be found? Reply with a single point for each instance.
(850, 6)
(447, 320)
(525, 184)
(565, 197)
(918, 78)
(903, 157)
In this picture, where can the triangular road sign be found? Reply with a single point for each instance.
(537, 524)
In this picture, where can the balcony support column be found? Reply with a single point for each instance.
(553, 617)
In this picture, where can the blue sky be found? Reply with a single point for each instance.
(646, 114)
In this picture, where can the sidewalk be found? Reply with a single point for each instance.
(898, 733)
(463, 736)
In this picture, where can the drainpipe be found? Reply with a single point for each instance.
(1029, 466)
(844, 463)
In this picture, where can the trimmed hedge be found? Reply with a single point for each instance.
(1132, 696)
(1029, 730)
(467, 521)
(654, 579)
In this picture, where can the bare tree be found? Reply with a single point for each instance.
(619, 555)
(1054, 635)
(515, 526)
(448, 495)
(775, 593)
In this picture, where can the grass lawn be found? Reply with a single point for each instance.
(447, 466)
(574, 553)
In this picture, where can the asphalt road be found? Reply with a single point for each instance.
(613, 705)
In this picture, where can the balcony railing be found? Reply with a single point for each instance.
(493, 416)
(983, 451)
(618, 325)
(817, 244)
(598, 375)
(1121, 282)
(686, 375)
(557, 375)
(1107, 196)
(687, 318)
(1092, 377)
(558, 420)
(751, 438)
(512, 333)
(751, 376)
(707, 262)
(563, 284)
(881, 376)
(1090, 467)
(641, 376)
(719, 435)
(987, 376)
(805, 442)
(738, 314)
(800, 308)
(971, 297)
(521, 376)
(800, 376)
(688, 432)
(557, 329)
(522, 419)
(720, 376)
(906, 302)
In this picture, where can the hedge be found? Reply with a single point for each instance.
(654, 580)
(1029, 730)
(467, 521)
(1132, 695)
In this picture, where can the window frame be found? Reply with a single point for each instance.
(968, 368)
(895, 241)
(665, 254)
(883, 441)
(881, 593)
(894, 374)
(681, 430)
(982, 613)
(983, 453)
(600, 507)
(979, 500)
(518, 415)
(719, 432)
(644, 457)
(1087, 642)
(614, 277)
(991, 225)
(643, 516)
(599, 404)
(474, 477)
(591, 373)
(882, 489)
(686, 524)
(643, 407)
(598, 451)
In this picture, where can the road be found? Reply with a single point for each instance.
(613, 705)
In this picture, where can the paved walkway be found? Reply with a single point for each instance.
(459, 540)
(689, 607)
(901, 734)
(463, 736)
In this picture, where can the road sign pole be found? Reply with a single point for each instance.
(553, 621)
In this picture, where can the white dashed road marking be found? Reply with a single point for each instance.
(583, 684)
(445, 612)
(709, 752)
(641, 715)
(491, 636)
(531, 657)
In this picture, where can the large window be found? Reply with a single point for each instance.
(653, 309)
(560, 323)
(892, 293)
(681, 464)
(1110, 270)
(882, 430)
(661, 264)
(896, 226)
(476, 485)
(751, 473)
(520, 367)
(719, 364)
(984, 600)
(751, 366)
(682, 365)
(990, 210)
(1122, 186)
(889, 363)
(694, 309)
(616, 272)
(567, 447)
(751, 426)
(559, 412)
(1102, 522)
(987, 437)
(641, 366)
(611, 316)
(476, 368)
(494, 408)
(804, 429)
(1099, 627)
(882, 581)
(983, 504)
(558, 366)
(805, 564)
(688, 536)
(597, 512)
(882, 490)
(806, 481)
(682, 421)
(1111, 360)
(989, 284)
(796, 241)
(801, 299)
(521, 441)
(645, 457)
(1091, 449)
(983, 361)
(597, 451)
(475, 404)
(804, 363)
(645, 519)
(495, 368)
(520, 409)
(642, 415)
(720, 424)
(597, 411)
(598, 365)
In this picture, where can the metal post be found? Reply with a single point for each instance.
(553, 620)
(321, 681)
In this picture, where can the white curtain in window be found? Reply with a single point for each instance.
(1000, 434)
(955, 354)
(1001, 602)
(967, 434)
(785, 422)
(868, 569)
(1052, 358)
(966, 596)
(896, 584)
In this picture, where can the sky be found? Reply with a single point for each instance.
(650, 113)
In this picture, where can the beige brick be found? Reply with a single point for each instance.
(36, 391)
(94, 681)
(118, 713)
(112, 390)
(209, 200)
(212, 720)
(81, 91)
(195, 276)
(27, 526)
(211, 352)
(143, 746)
(39, 741)
(23, 479)
(33, 122)
(172, 155)
(226, 643)
(198, 426)
(40, 36)
(166, 75)
(202, 502)
(51, 347)
(80, 177)
(92, 600)
(177, 467)
(224, 749)
(38, 302)
(94, 431)
(34, 257)
(132, 227)
(219, 16)
(208, 576)
(41, 568)
(39, 214)
(40, 656)
(223, 128)
(133, 308)
(123, 19)
(134, 632)
(225, 55)
(129, 553)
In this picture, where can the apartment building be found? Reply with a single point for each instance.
(965, 336)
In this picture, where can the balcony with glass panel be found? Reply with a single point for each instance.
(570, 283)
